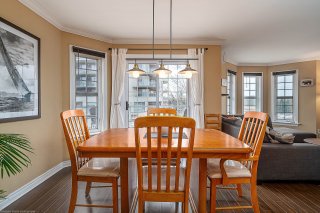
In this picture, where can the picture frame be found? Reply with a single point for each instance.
(306, 82)
(224, 82)
(19, 74)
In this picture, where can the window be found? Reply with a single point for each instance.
(252, 92)
(151, 91)
(86, 85)
(285, 97)
(231, 91)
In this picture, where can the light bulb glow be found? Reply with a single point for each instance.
(163, 74)
(188, 75)
(135, 74)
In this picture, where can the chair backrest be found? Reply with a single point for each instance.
(75, 131)
(252, 131)
(164, 149)
(212, 121)
(161, 112)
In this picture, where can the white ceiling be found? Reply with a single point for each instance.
(252, 31)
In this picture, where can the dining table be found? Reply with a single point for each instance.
(120, 143)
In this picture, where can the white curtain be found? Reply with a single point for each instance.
(196, 87)
(119, 66)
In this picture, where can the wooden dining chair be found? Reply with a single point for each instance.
(101, 170)
(163, 183)
(240, 171)
(161, 112)
(212, 121)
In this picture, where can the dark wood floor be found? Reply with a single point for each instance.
(53, 196)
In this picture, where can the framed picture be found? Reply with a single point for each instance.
(224, 82)
(19, 73)
(306, 82)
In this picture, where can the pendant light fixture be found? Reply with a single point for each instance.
(188, 71)
(162, 71)
(136, 71)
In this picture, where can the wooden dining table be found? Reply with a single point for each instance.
(120, 143)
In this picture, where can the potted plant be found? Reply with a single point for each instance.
(13, 149)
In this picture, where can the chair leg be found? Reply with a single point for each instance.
(115, 195)
(213, 196)
(140, 206)
(186, 204)
(239, 190)
(88, 188)
(254, 197)
(74, 194)
(177, 207)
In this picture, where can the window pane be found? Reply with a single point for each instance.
(289, 86)
(288, 93)
(280, 78)
(281, 86)
(280, 92)
(288, 78)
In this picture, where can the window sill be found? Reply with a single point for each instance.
(277, 123)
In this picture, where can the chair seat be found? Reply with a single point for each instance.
(234, 169)
(163, 178)
(101, 167)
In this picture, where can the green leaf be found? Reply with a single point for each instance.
(13, 149)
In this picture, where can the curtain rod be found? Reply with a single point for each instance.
(150, 49)
(162, 59)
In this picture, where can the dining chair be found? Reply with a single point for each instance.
(240, 171)
(212, 121)
(103, 170)
(161, 112)
(158, 182)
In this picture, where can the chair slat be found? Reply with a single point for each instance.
(159, 160)
(149, 159)
(176, 187)
(169, 159)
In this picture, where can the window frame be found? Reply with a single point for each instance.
(259, 93)
(232, 97)
(101, 87)
(295, 92)
(126, 96)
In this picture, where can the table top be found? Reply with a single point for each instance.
(315, 141)
(121, 141)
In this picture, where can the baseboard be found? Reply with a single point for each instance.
(12, 197)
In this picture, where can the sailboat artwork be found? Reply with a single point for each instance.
(19, 73)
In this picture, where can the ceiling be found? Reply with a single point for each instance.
(251, 31)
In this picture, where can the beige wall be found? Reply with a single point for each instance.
(212, 71)
(45, 133)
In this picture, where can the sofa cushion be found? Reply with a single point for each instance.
(299, 135)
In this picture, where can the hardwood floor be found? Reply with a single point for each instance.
(53, 196)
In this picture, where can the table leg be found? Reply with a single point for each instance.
(124, 185)
(202, 185)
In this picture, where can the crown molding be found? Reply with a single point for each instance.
(279, 62)
(35, 7)
(166, 41)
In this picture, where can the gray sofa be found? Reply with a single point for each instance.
(299, 161)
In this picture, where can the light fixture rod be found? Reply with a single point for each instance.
(153, 29)
(170, 28)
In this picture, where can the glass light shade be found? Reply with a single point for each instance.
(188, 71)
(135, 71)
(162, 71)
